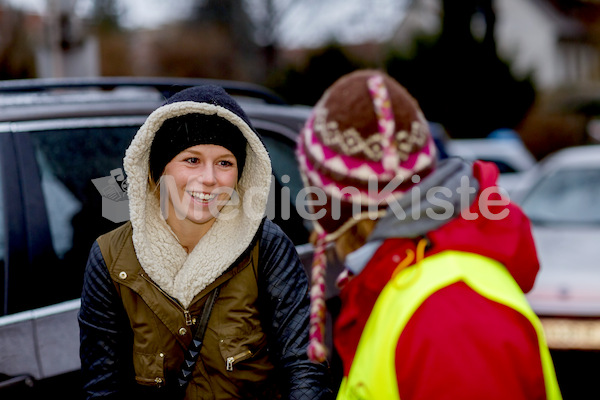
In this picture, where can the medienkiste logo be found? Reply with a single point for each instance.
(436, 203)
(113, 188)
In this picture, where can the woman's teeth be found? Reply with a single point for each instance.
(203, 196)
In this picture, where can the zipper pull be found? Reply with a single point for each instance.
(239, 357)
(188, 318)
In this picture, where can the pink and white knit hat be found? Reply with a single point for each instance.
(362, 146)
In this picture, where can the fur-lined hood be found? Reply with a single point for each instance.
(178, 273)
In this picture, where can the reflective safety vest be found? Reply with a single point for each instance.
(372, 374)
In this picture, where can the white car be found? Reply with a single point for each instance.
(561, 196)
(510, 155)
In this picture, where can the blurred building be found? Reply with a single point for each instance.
(57, 37)
(556, 42)
(66, 48)
(16, 52)
(557, 46)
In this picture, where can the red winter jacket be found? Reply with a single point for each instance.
(457, 344)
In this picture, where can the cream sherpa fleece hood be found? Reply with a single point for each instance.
(178, 273)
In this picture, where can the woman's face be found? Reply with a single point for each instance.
(197, 183)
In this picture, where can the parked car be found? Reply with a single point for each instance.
(56, 138)
(509, 154)
(561, 197)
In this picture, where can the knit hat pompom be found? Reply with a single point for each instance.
(364, 142)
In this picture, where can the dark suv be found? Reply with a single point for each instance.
(56, 138)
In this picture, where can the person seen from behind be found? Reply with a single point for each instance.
(437, 260)
(198, 296)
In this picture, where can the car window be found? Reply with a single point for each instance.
(69, 160)
(569, 196)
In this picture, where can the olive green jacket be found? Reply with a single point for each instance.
(162, 328)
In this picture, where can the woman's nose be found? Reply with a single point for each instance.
(207, 177)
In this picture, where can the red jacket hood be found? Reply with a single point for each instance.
(507, 240)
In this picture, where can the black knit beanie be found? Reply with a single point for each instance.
(179, 133)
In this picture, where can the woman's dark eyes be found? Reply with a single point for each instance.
(223, 163)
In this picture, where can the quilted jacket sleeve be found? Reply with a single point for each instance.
(104, 330)
(284, 285)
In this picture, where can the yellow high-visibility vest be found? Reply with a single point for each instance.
(373, 371)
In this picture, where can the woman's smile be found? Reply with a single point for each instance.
(202, 197)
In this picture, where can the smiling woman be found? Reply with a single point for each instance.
(194, 267)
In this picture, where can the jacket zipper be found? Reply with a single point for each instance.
(189, 321)
(188, 318)
(239, 357)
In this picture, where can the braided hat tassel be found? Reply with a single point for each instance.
(317, 351)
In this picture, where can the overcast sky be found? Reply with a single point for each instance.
(306, 23)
